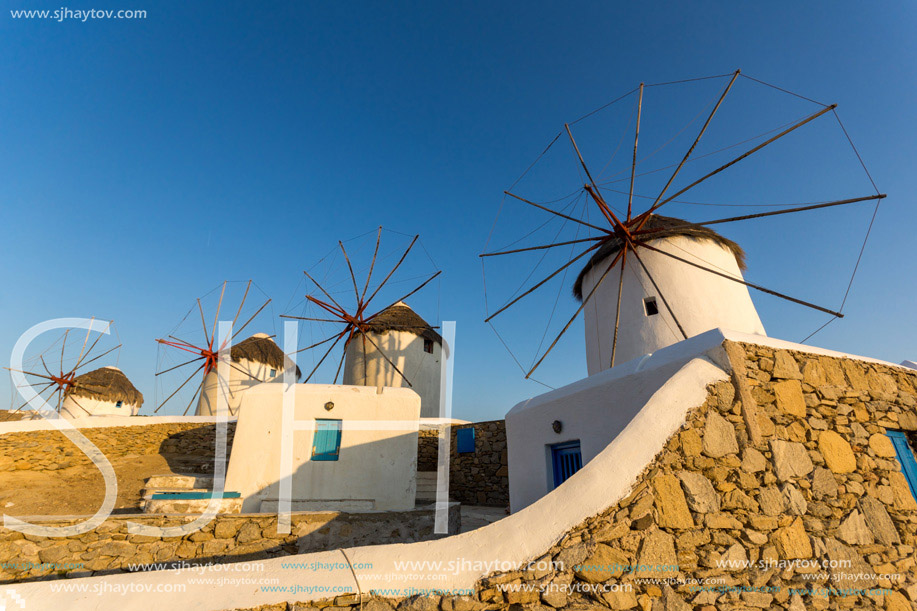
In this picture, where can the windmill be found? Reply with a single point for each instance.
(631, 250)
(379, 342)
(202, 346)
(64, 379)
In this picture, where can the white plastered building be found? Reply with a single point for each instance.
(699, 299)
(255, 360)
(411, 344)
(102, 392)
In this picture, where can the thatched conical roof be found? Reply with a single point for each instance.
(400, 317)
(106, 384)
(260, 348)
(664, 226)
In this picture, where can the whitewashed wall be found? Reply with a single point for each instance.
(84, 406)
(701, 301)
(378, 456)
(405, 349)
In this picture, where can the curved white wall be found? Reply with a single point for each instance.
(84, 406)
(238, 383)
(405, 349)
(701, 301)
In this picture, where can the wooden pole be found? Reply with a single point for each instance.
(633, 166)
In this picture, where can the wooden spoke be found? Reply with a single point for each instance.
(96, 341)
(175, 392)
(85, 340)
(753, 150)
(554, 245)
(372, 264)
(322, 360)
(327, 307)
(234, 335)
(308, 318)
(39, 375)
(580, 309)
(324, 341)
(193, 397)
(614, 341)
(696, 140)
(47, 386)
(598, 199)
(746, 283)
(45, 365)
(397, 265)
(841, 202)
(560, 214)
(241, 303)
(322, 289)
(543, 282)
(203, 322)
(423, 284)
(63, 345)
(216, 318)
(95, 358)
(385, 356)
(341, 364)
(633, 167)
(356, 291)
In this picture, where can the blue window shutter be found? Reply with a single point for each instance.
(326, 441)
(566, 459)
(906, 458)
(464, 439)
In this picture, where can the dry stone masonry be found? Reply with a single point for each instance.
(792, 501)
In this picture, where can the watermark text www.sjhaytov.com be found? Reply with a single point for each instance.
(67, 14)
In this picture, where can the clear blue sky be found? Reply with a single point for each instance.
(142, 162)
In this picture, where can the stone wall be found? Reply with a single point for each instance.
(229, 538)
(780, 492)
(479, 478)
(188, 447)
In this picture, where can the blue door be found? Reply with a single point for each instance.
(567, 459)
(326, 442)
(906, 458)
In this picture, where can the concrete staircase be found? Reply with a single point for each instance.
(426, 486)
(177, 493)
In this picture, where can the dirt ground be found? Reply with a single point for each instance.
(77, 490)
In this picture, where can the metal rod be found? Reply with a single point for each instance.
(696, 140)
(752, 285)
(540, 284)
(560, 214)
(633, 167)
(580, 309)
(509, 252)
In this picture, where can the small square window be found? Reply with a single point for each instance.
(326, 441)
(428, 345)
(119, 403)
(273, 372)
(650, 307)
